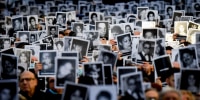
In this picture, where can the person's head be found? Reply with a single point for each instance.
(32, 20)
(50, 21)
(169, 50)
(131, 83)
(46, 58)
(128, 29)
(77, 47)
(93, 71)
(78, 29)
(8, 65)
(146, 47)
(187, 56)
(5, 94)
(101, 27)
(125, 43)
(104, 95)
(91, 36)
(116, 30)
(50, 83)
(151, 16)
(59, 45)
(181, 28)
(169, 10)
(142, 14)
(159, 48)
(76, 94)
(60, 18)
(32, 38)
(28, 82)
(94, 17)
(65, 69)
(148, 35)
(6, 43)
(23, 37)
(17, 23)
(170, 94)
(170, 79)
(52, 30)
(191, 80)
(23, 57)
(187, 95)
(151, 94)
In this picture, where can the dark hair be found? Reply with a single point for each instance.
(150, 12)
(93, 14)
(117, 29)
(169, 48)
(120, 40)
(169, 8)
(59, 42)
(104, 94)
(146, 42)
(31, 19)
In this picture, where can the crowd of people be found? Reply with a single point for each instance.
(85, 45)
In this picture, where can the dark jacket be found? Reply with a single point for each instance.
(38, 95)
(51, 95)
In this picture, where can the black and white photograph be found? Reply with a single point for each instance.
(78, 29)
(192, 25)
(121, 71)
(46, 58)
(107, 57)
(24, 58)
(135, 41)
(151, 15)
(124, 43)
(60, 18)
(71, 17)
(115, 29)
(5, 43)
(52, 30)
(132, 87)
(103, 28)
(197, 45)
(34, 51)
(33, 37)
(177, 15)
(33, 23)
(24, 9)
(169, 11)
(149, 33)
(128, 28)
(141, 12)
(49, 20)
(93, 74)
(106, 92)
(58, 44)
(93, 37)
(49, 41)
(74, 91)
(8, 66)
(23, 36)
(93, 17)
(65, 70)
(192, 36)
(34, 10)
(159, 48)
(17, 24)
(163, 67)
(181, 28)
(188, 57)
(67, 43)
(8, 90)
(145, 52)
(108, 72)
(190, 80)
(8, 21)
(80, 45)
